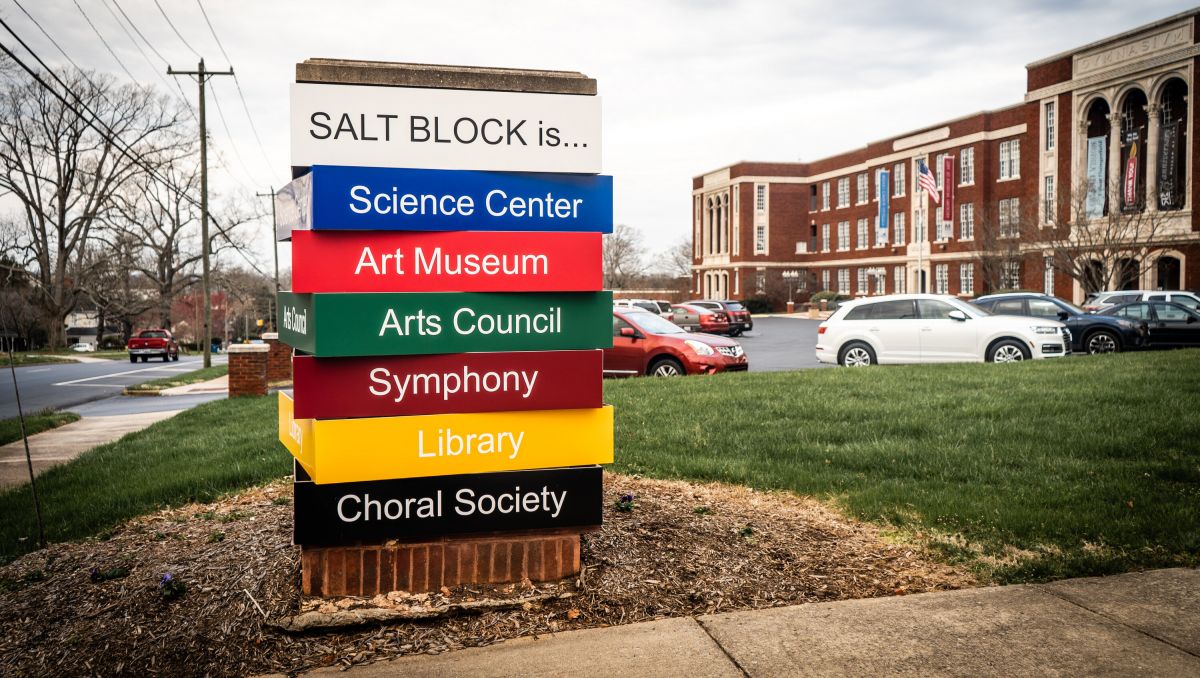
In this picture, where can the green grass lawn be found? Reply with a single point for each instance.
(22, 359)
(193, 377)
(36, 422)
(1033, 471)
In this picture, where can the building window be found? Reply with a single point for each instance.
(1010, 218)
(880, 278)
(824, 237)
(966, 166)
(1048, 199)
(939, 170)
(1010, 275)
(966, 279)
(760, 239)
(1048, 276)
(945, 227)
(825, 280)
(843, 192)
(843, 242)
(863, 194)
(862, 234)
(941, 279)
(843, 281)
(898, 180)
(898, 228)
(1049, 125)
(899, 278)
(862, 280)
(825, 195)
(966, 221)
(760, 198)
(760, 280)
(881, 234)
(1010, 159)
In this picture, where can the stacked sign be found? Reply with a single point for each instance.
(446, 311)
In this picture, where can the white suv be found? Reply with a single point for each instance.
(931, 328)
(1103, 300)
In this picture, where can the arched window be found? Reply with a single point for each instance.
(1132, 177)
(712, 215)
(1093, 277)
(1098, 128)
(1128, 271)
(1172, 145)
(1166, 273)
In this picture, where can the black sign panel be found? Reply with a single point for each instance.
(341, 514)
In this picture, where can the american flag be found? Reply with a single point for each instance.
(926, 181)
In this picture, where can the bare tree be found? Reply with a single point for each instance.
(64, 173)
(1002, 233)
(1104, 251)
(623, 257)
(677, 260)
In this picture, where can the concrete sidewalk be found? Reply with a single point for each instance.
(62, 444)
(1145, 624)
(218, 385)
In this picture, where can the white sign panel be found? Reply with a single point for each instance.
(444, 129)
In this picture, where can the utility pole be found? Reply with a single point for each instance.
(201, 77)
(274, 250)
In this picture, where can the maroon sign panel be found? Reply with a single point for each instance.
(386, 386)
(948, 188)
(452, 261)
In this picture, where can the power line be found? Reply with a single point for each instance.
(104, 42)
(236, 83)
(157, 71)
(140, 34)
(172, 25)
(141, 51)
(225, 126)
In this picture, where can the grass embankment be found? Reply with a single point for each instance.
(197, 455)
(10, 429)
(193, 377)
(1081, 466)
(1087, 465)
(22, 359)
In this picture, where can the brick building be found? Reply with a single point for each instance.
(1097, 158)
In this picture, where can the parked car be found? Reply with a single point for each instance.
(1171, 325)
(1090, 333)
(645, 343)
(82, 347)
(925, 328)
(659, 306)
(739, 316)
(153, 344)
(1102, 300)
(695, 318)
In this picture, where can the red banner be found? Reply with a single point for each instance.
(452, 261)
(948, 188)
(1131, 176)
(344, 388)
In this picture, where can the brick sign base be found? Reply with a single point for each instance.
(429, 565)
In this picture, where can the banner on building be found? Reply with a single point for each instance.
(884, 190)
(947, 188)
(1169, 195)
(1129, 182)
(1097, 158)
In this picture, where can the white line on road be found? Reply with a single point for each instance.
(40, 369)
(106, 376)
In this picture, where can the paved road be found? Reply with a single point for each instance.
(64, 386)
(779, 344)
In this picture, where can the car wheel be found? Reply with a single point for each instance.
(735, 333)
(175, 358)
(1102, 342)
(857, 354)
(665, 367)
(166, 357)
(1007, 351)
(133, 359)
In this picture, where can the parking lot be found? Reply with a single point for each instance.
(781, 343)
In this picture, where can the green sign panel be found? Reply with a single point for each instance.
(444, 322)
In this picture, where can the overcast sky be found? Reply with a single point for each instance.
(688, 86)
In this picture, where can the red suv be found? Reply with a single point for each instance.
(645, 343)
(739, 316)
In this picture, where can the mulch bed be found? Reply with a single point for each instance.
(98, 607)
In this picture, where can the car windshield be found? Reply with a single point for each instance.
(971, 308)
(734, 306)
(1073, 307)
(654, 324)
(153, 334)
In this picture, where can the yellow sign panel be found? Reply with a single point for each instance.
(382, 448)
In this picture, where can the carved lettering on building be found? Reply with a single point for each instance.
(1134, 49)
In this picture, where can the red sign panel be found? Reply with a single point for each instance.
(452, 261)
(344, 388)
(948, 188)
(1131, 176)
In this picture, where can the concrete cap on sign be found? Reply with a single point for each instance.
(248, 348)
(396, 74)
(267, 336)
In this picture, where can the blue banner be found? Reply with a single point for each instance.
(884, 193)
(387, 199)
(1097, 164)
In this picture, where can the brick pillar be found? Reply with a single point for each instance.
(279, 359)
(429, 565)
(248, 369)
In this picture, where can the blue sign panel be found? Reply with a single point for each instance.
(387, 199)
(884, 193)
